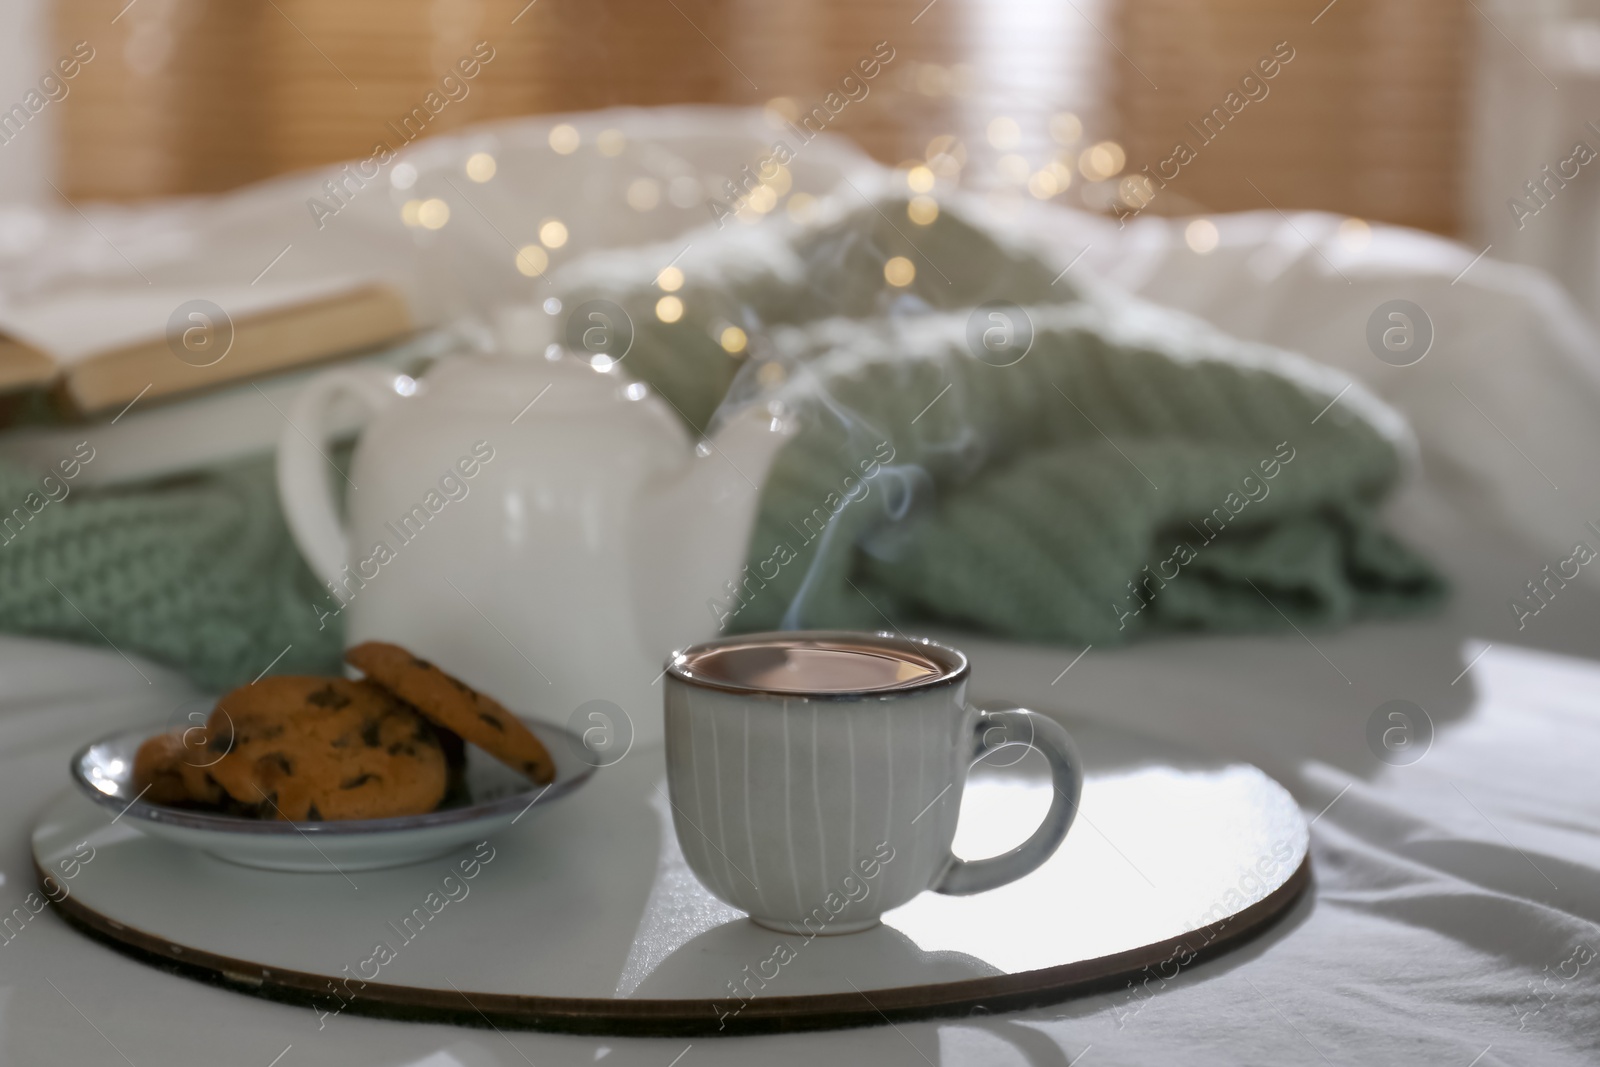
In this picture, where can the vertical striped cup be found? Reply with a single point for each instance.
(816, 777)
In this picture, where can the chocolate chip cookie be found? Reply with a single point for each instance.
(455, 705)
(157, 769)
(302, 748)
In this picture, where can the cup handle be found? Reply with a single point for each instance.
(304, 490)
(1003, 728)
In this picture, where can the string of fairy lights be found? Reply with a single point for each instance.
(1070, 168)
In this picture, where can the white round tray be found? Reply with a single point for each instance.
(588, 920)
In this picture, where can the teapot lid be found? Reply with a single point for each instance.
(572, 383)
(523, 360)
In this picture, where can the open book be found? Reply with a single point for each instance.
(101, 349)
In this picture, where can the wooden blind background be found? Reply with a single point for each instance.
(1368, 118)
(204, 95)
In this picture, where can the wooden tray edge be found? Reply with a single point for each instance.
(695, 1018)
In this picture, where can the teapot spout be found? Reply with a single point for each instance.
(692, 531)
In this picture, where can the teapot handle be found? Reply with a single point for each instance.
(304, 489)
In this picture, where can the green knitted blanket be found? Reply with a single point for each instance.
(196, 572)
(1135, 472)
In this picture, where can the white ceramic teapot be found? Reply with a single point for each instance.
(548, 531)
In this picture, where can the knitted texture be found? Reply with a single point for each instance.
(1113, 481)
(198, 573)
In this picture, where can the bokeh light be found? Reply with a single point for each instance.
(1102, 161)
(762, 199)
(1004, 133)
(552, 233)
(1354, 234)
(1201, 236)
(1065, 128)
(564, 139)
(643, 194)
(532, 260)
(433, 213)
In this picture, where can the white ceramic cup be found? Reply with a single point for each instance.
(816, 806)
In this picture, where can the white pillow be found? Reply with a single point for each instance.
(1506, 403)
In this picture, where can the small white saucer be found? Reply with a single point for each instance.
(499, 796)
